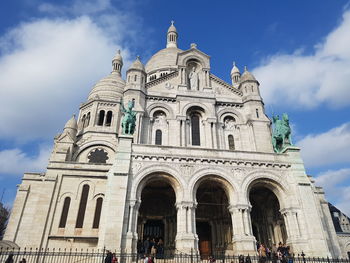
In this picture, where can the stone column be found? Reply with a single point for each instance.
(215, 137)
(186, 241)
(150, 130)
(243, 241)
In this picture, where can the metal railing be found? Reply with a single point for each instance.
(98, 256)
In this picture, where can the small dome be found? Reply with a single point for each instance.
(118, 57)
(172, 28)
(163, 59)
(247, 76)
(71, 123)
(234, 69)
(110, 87)
(137, 64)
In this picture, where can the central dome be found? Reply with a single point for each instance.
(163, 59)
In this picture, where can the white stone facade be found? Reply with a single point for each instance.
(193, 144)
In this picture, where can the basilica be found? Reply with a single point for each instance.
(197, 169)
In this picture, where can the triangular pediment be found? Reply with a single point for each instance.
(222, 88)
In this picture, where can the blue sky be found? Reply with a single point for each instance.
(52, 52)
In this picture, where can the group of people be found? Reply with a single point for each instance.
(278, 254)
(111, 257)
(151, 247)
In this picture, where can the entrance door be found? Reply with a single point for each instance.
(153, 229)
(204, 236)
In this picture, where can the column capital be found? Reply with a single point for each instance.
(240, 207)
(185, 205)
(289, 210)
(180, 118)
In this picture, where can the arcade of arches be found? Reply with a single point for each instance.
(208, 218)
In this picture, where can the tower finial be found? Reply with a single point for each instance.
(245, 68)
(234, 63)
(171, 40)
(117, 62)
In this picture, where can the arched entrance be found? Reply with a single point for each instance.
(267, 222)
(213, 219)
(157, 217)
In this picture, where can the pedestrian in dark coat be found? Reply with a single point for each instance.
(9, 259)
(109, 256)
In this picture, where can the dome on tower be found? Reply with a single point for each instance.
(110, 87)
(163, 59)
(234, 69)
(172, 28)
(71, 123)
(247, 76)
(137, 64)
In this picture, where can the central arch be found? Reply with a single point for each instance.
(213, 219)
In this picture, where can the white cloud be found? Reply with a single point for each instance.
(47, 68)
(336, 184)
(328, 148)
(309, 80)
(16, 162)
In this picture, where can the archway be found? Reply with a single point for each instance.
(213, 219)
(157, 217)
(267, 221)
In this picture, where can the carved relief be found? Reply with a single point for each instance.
(136, 167)
(187, 169)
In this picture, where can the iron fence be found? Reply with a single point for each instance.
(98, 256)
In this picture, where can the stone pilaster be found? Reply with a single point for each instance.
(243, 241)
(186, 238)
(115, 213)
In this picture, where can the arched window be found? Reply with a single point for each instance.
(135, 77)
(257, 113)
(231, 142)
(101, 117)
(195, 132)
(97, 216)
(158, 137)
(87, 121)
(109, 118)
(82, 121)
(64, 215)
(82, 206)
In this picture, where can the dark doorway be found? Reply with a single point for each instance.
(267, 222)
(204, 236)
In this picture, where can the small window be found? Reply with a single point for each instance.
(87, 121)
(231, 142)
(109, 118)
(83, 120)
(82, 206)
(158, 137)
(195, 130)
(97, 216)
(135, 77)
(257, 113)
(64, 215)
(101, 117)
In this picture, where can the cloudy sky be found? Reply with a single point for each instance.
(52, 52)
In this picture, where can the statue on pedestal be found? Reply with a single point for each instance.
(281, 134)
(129, 118)
(193, 76)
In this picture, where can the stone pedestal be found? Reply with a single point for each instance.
(114, 211)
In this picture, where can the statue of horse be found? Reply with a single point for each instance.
(281, 135)
(129, 118)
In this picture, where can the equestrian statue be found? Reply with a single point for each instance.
(281, 134)
(129, 118)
